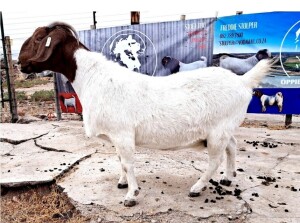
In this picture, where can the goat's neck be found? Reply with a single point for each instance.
(67, 65)
(88, 68)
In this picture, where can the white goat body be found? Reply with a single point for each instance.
(160, 112)
(237, 65)
(176, 66)
(241, 66)
(177, 111)
(193, 65)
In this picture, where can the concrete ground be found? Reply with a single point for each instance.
(266, 188)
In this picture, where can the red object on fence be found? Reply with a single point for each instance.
(69, 103)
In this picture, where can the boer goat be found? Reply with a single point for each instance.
(241, 66)
(174, 65)
(69, 102)
(172, 112)
(269, 100)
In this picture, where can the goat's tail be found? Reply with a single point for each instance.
(254, 76)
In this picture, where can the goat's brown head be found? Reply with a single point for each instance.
(51, 48)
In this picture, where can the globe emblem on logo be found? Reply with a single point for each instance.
(290, 48)
(132, 49)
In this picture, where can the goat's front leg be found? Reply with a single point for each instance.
(216, 146)
(125, 147)
(263, 106)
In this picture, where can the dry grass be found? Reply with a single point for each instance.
(41, 204)
(262, 124)
(28, 83)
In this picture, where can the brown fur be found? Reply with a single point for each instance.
(36, 57)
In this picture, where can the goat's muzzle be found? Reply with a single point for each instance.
(27, 69)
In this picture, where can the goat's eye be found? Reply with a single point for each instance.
(38, 39)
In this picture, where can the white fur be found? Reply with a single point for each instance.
(194, 65)
(177, 111)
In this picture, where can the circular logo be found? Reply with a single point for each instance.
(290, 45)
(132, 49)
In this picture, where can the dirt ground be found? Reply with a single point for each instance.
(37, 204)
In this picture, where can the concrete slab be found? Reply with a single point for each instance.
(28, 164)
(18, 133)
(165, 179)
(268, 180)
(69, 136)
(5, 148)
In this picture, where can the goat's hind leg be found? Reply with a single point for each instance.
(215, 146)
(125, 149)
(230, 164)
(122, 183)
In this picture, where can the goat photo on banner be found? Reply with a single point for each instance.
(241, 41)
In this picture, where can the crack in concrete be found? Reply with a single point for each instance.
(71, 167)
(50, 149)
(280, 159)
(201, 171)
(17, 142)
(251, 187)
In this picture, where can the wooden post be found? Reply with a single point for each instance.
(135, 17)
(288, 120)
(94, 26)
(13, 101)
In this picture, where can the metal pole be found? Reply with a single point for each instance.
(13, 108)
(58, 111)
(94, 19)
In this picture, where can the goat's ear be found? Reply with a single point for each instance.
(48, 44)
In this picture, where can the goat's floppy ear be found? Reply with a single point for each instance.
(48, 44)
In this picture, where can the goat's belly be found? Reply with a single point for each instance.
(171, 139)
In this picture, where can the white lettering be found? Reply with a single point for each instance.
(248, 25)
(228, 27)
(194, 26)
(290, 81)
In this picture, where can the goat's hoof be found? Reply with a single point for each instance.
(122, 186)
(225, 182)
(129, 203)
(194, 194)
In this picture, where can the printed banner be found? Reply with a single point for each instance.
(252, 37)
(156, 49)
